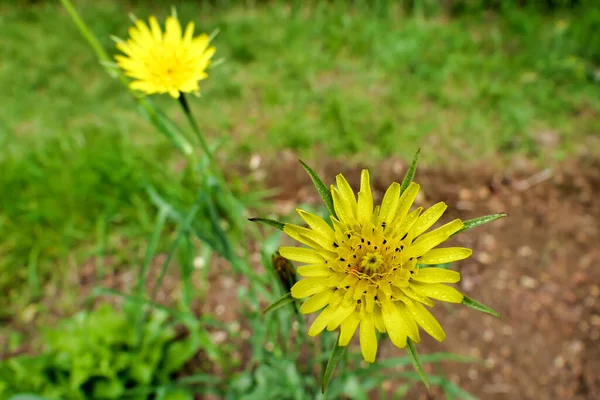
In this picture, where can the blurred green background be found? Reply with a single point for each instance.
(361, 80)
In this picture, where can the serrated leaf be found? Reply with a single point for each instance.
(472, 223)
(414, 356)
(336, 355)
(410, 174)
(283, 300)
(474, 304)
(270, 222)
(321, 188)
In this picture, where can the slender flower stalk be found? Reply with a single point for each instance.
(364, 273)
(190, 117)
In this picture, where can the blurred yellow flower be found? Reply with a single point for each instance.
(165, 62)
(364, 271)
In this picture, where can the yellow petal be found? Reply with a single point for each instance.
(445, 255)
(316, 302)
(400, 226)
(438, 291)
(390, 203)
(343, 209)
(172, 30)
(314, 270)
(189, 33)
(428, 218)
(361, 286)
(378, 319)
(408, 291)
(143, 31)
(301, 234)
(308, 286)
(394, 324)
(155, 28)
(365, 199)
(321, 322)
(428, 241)
(348, 328)
(412, 330)
(407, 199)
(368, 339)
(316, 223)
(426, 320)
(339, 315)
(308, 256)
(346, 193)
(435, 275)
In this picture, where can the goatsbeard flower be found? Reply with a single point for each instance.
(364, 272)
(165, 62)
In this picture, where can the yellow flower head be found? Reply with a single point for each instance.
(165, 62)
(365, 270)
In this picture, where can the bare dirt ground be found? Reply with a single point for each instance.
(538, 268)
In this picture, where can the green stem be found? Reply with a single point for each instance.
(196, 129)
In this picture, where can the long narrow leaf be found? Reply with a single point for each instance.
(283, 300)
(321, 188)
(412, 352)
(336, 355)
(474, 304)
(472, 223)
(410, 174)
(270, 222)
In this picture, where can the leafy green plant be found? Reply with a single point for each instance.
(98, 355)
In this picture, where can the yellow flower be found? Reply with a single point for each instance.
(364, 271)
(165, 62)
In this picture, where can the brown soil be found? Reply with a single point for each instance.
(538, 268)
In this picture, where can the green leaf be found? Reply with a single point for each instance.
(109, 389)
(271, 222)
(336, 355)
(410, 174)
(283, 300)
(27, 396)
(412, 352)
(474, 304)
(323, 190)
(472, 223)
(451, 390)
(178, 353)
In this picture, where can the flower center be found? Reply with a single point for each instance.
(372, 262)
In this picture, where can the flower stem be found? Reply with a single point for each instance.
(196, 128)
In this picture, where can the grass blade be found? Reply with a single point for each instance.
(321, 188)
(474, 304)
(270, 222)
(283, 300)
(410, 174)
(412, 352)
(472, 223)
(336, 355)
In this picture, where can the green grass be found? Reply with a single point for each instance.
(334, 80)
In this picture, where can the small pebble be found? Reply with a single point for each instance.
(528, 282)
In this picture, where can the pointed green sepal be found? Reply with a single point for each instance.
(410, 174)
(334, 359)
(475, 305)
(472, 223)
(270, 222)
(285, 299)
(414, 356)
(321, 188)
